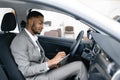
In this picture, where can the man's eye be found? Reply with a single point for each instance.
(40, 23)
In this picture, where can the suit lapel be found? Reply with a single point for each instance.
(28, 37)
(41, 49)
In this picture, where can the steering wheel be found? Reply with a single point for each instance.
(75, 45)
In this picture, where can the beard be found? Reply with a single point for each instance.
(35, 31)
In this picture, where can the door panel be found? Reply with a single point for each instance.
(52, 45)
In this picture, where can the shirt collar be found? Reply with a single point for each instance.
(33, 37)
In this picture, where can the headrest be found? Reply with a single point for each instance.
(8, 22)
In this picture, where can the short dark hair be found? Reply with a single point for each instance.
(34, 14)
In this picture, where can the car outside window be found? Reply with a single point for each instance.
(60, 25)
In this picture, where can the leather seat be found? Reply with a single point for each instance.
(10, 67)
(2, 74)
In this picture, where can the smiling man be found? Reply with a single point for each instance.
(30, 57)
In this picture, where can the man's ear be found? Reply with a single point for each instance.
(30, 22)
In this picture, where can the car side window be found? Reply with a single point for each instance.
(61, 25)
(3, 11)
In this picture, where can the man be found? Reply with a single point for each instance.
(31, 59)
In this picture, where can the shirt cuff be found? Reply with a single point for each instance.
(47, 66)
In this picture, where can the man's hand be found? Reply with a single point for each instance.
(53, 62)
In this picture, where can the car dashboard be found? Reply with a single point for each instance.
(103, 54)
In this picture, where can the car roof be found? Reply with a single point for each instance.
(76, 10)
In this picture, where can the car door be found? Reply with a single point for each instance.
(52, 45)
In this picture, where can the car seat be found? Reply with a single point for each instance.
(2, 74)
(7, 60)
